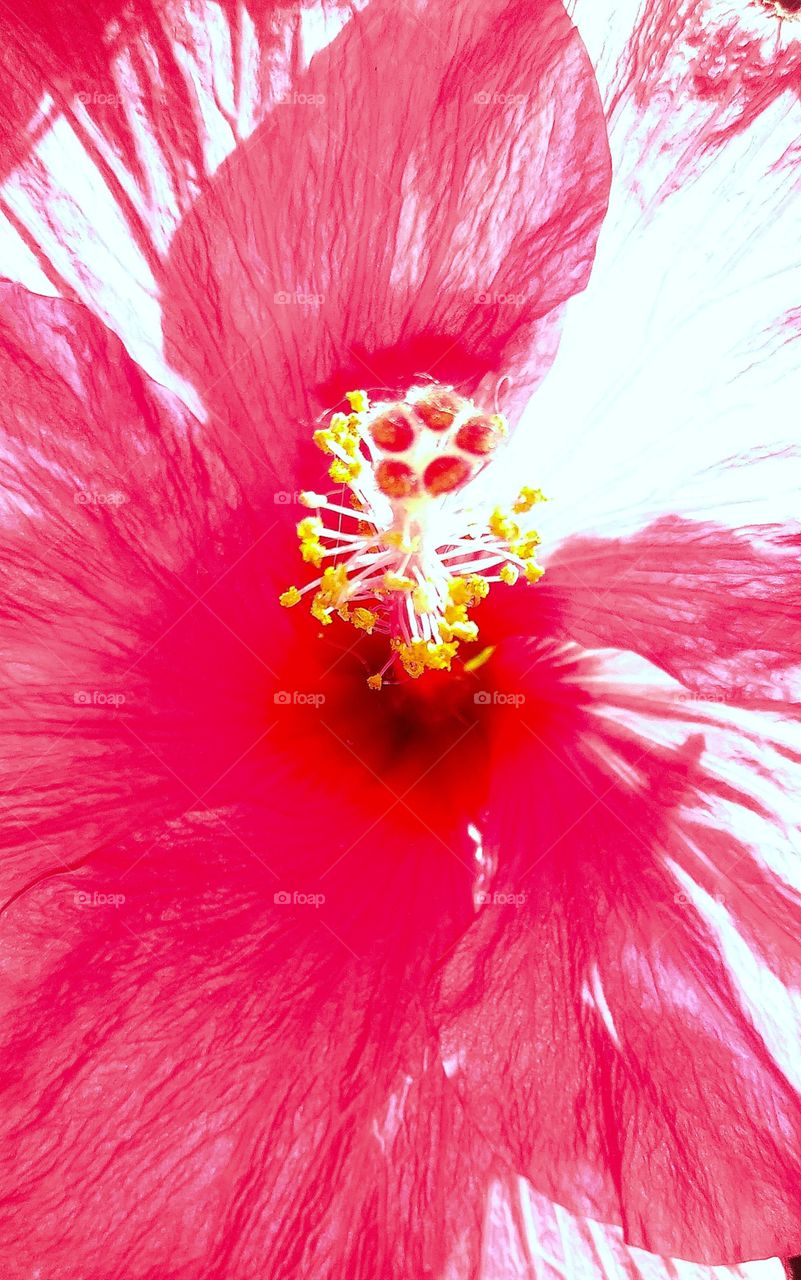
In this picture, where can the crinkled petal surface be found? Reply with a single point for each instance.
(217, 1055)
(443, 203)
(650, 879)
(622, 1018)
(223, 912)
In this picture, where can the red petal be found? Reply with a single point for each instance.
(430, 223)
(205, 1078)
(597, 1018)
(137, 593)
(719, 609)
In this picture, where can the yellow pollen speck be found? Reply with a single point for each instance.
(397, 582)
(289, 598)
(363, 620)
(509, 574)
(375, 682)
(527, 498)
(533, 572)
(358, 401)
(501, 423)
(343, 472)
(473, 664)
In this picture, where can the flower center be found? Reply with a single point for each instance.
(409, 555)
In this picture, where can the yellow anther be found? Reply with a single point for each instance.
(399, 542)
(527, 498)
(309, 527)
(343, 472)
(289, 598)
(455, 612)
(503, 526)
(349, 444)
(533, 571)
(358, 402)
(509, 574)
(334, 582)
(363, 620)
(397, 582)
(375, 682)
(310, 499)
(439, 656)
(320, 611)
(458, 592)
(422, 655)
(424, 598)
(458, 630)
(311, 551)
(478, 588)
(527, 545)
(323, 439)
(340, 424)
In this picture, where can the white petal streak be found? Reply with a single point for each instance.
(530, 1237)
(674, 364)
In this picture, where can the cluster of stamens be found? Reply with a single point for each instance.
(403, 554)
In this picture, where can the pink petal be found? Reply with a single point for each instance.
(116, 113)
(123, 686)
(382, 228)
(621, 1018)
(717, 608)
(203, 1078)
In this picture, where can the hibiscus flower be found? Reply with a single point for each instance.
(320, 962)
